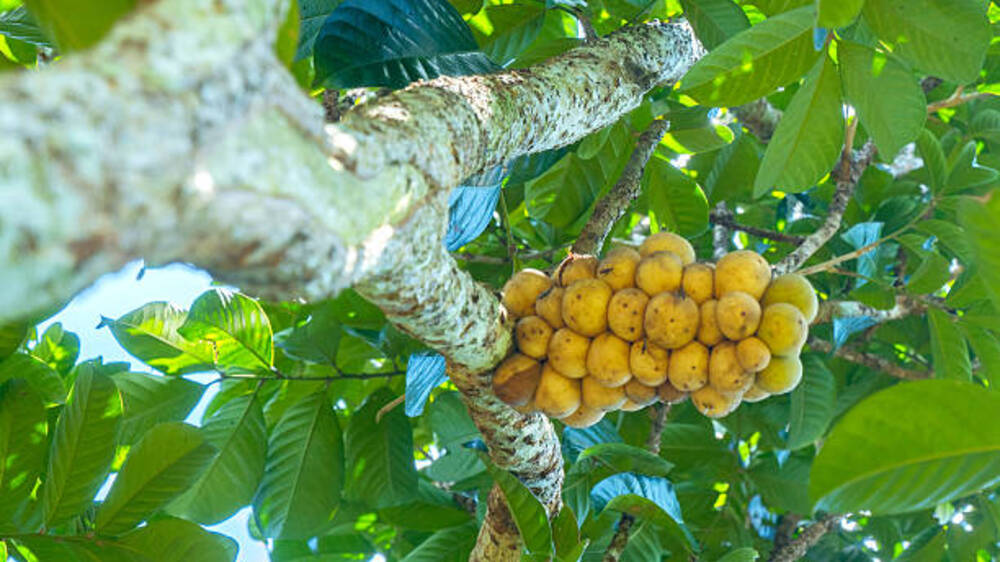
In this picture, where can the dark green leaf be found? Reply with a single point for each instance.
(40, 376)
(311, 14)
(651, 498)
(714, 21)
(176, 540)
(565, 191)
(934, 161)
(734, 164)
(930, 276)
(237, 327)
(948, 346)
(784, 485)
(515, 26)
(675, 199)
(986, 346)
(980, 219)
(151, 399)
(19, 25)
(11, 338)
(448, 545)
(379, 454)
(318, 339)
(812, 403)
(745, 554)
(78, 25)
(47, 547)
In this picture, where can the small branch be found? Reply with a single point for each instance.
(388, 407)
(720, 232)
(726, 219)
(613, 206)
(832, 263)
(658, 417)
(786, 528)
(905, 306)
(870, 360)
(797, 548)
(618, 542)
(759, 117)
(956, 99)
(479, 258)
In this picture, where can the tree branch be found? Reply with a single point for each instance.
(759, 117)
(726, 219)
(955, 99)
(614, 205)
(905, 306)
(811, 535)
(721, 234)
(870, 360)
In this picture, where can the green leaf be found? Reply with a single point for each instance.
(176, 540)
(529, 514)
(986, 346)
(702, 139)
(676, 200)
(78, 25)
(812, 403)
(432, 510)
(930, 276)
(886, 95)
(167, 460)
(980, 219)
(773, 7)
(755, 62)
(311, 16)
(304, 472)
(951, 236)
(934, 160)
(11, 338)
(229, 482)
(949, 350)
(150, 334)
(562, 194)
(909, 448)
(809, 137)
(40, 376)
(22, 447)
(919, 28)
(58, 348)
(82, 549)
(237, 327)
(736, 162)
(318, 339)
(151, 399)
(447, 545)
(19, 25)
(784, 485)
(83, 445)
(379, 455)
(515, 26)
(645, 497)
(745, 554)
(837, 13)
(715, 21)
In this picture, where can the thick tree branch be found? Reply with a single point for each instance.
(872, 361)
(811, 535)
(905, 306)
(721, 235)
(614, 205)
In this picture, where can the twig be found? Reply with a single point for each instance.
(831, 263)
(727, 220)
(798, 547)
(720, 232)
(759, 117)
(658, 417)
(956, 99)
(618, 542)
(870, 360)
(616, 202)
(388, 407)
(786, 528)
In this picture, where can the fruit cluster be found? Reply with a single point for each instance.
(653, 324)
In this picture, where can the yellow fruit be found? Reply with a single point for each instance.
(599, 397)
(783, 329)
(574, 268)
(607, 360)
(617, 269)
(521, 290)
(725, 373)
(626, 313)
(532, 335)
(549, 307)
(640, 393)
(557, 396)
(659, 272)
(527, 409)
(744, 271)
(698, 281)
(669, 394)
(516, 379)
(708, 329)
(668, 242)
(648, 362)
(780, 376)
(585, 306)
(671, 320)
(753, 354)
(797, 291)
(631, 406)
(737, 314)
(568, 353)
(714, 404)
(688, 368)
(755, 394)
(583, 417)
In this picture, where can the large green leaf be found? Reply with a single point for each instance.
(919, 28)
(529, 514)
(515, 26)
(948, 347)
(83, 445)
(600, 461)
(311, 16)
(980, 219)
(39, 375)
(809, 137)
(150, 334)
(163, 464)
(58, 348)
(22, 446)
(715, 21)
(238, 431)
(935, 165)
(176, 540)
(151, 399)
(885, 94)
(19, 25)
(237, 327)
(304, 473)
(727, 180)
(837, 13)
(675, 199)
(784, 485)
(446, 545)
(76, 549)
(987, 349)
(812, 403)
(11, 337)
(910, 447)
(754, 62)
(380, 469)
(78, 25)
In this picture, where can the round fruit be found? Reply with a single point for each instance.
(607, 360)
(737, 315)
(521, 290)
(574, 268)
(753, 354)
(648, 362)
(585, 306)
(668, 242)
(671, 320)
(549, 307)
(797, 291)
(780, 376)
(698, 281)
(755, 394)
(568, 353)
(626, 313)
(617, 269)
(744, 271)
(714, 404)
(783, 329)
(532, 335)
(725, 373)
(640, 393)
(659, 272)
(669, 394)
(688, 368)
(516, 379)
(631, 406)
(557, 396)
(708, 329)
(583, 417)
(599, 397)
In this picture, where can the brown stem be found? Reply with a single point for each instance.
(798, 547)
(956, 99)
(620, 540)
(870, 360)
(727, 220)
(759, 117)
